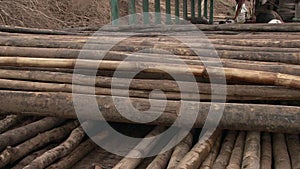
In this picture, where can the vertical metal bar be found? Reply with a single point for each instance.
(114, 11)
(132, 12)
(193, 9)
(168, 11)
(185, 9)
(211, 12)
(205, 8)
(157, 12)
(177, 11)
(146, 11)
(199, 9)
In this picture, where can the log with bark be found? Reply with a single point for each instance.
(245, 115)
(139, 151)
(293, 143)
(11, 154)
(58, 152)
(15, 136)
(35, 80)
(9, 121)
(200, 150)
(78, 153)
(210, 159)
(280, 153)
(226, 150)
(252, 151)
(180, 150)
(235, 161)
(266, 151)
(29, 158)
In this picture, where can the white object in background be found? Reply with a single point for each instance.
(242, 16)
(275, 21)
(263, 2)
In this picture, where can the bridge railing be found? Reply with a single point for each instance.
(202, 7)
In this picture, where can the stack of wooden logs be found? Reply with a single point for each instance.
(50, 142)
(261, 69)
(37, 116)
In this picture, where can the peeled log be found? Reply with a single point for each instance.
(139, 84)
(251, 76)
(235, 116)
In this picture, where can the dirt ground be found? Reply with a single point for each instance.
(59, 14)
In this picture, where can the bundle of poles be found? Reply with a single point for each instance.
(56, 143)
(254, 75)
(261, 71)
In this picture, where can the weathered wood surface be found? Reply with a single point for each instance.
(241, 116)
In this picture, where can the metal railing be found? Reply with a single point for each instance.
(201, 5)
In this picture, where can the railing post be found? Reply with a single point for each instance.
(132, 12)
(205, 8)
(157, 12)
(168, 11)
(114, 11)
(185, 9)
(199, 9)
(211, 14)
(177, 11)
(146, 11)
(192, 9)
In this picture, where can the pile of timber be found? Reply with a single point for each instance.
(37, 117)
(261, 70)
(55, 143)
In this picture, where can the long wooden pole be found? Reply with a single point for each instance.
(246, 116)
